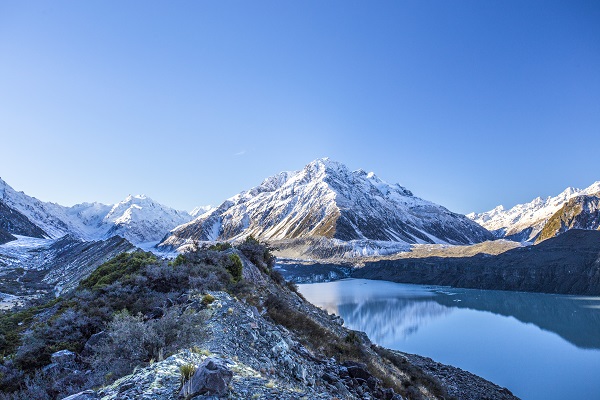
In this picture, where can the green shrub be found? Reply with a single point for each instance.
(119, 268)
(235, 267)
(221, 246)
(208, 299)
(187, 371)
(179, 260)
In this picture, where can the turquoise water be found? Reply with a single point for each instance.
(540, 346)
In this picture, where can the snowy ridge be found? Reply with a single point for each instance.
(525, 221)
(326, 199)
(137, 218)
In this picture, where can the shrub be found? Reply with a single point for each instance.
(235, 267)
(179, 260)
(133, 341)
(119, 268)
(186, 371)
(208, 299)
(221, 246)
(259, 254)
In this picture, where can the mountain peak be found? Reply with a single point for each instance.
(326, 199)
(325, 166)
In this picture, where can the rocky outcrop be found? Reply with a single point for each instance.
(459, 383)
(567, 264)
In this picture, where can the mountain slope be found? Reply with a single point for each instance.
(14, 222)
(326, 199)
(581, 212)
(138, 219)
(524, 222)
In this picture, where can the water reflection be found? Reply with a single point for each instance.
(575, 319)
(384, 310)
(374, 317)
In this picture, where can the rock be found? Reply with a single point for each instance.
(300, 372)
(63, 358)
(211, 378)
(357, 370)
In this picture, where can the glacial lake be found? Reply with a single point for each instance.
(539, 346)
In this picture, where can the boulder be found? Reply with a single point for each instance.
(357, 370)
(63, 358)
(212, 378)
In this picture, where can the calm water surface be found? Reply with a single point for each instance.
(540, 346)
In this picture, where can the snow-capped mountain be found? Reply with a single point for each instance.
(580, 212)
(140, 219)
(326, 199)
(137, 218)
(524, 222)
(197, 211)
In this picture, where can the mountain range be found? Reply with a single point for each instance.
(323, 210)
(138, 219)
(524, 222)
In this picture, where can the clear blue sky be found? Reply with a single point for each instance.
(469, 104)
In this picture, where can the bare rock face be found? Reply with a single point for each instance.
(211, 378)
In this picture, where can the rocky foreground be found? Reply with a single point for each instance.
(257, 359)
(254, 356)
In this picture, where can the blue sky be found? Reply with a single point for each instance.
(469, 104)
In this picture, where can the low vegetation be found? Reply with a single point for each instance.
(129, 312)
